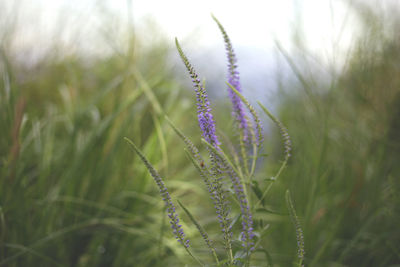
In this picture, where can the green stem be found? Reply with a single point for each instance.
(263, 195)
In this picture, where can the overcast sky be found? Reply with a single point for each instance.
(326, 24)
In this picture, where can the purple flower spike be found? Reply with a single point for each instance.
(233, 78)
(205, 118)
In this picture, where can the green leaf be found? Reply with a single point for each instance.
(265, 210)
(267, 256)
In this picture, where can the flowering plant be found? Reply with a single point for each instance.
(240, 172)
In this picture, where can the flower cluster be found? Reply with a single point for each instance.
(222, 169)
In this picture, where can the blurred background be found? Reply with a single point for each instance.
(78, 76)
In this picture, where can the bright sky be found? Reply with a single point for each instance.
(325, 24)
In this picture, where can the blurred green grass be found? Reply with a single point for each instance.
(73, 194)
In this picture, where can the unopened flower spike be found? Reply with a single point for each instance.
(172, 214)
(299, 231)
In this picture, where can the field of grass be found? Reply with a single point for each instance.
(72, 192)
